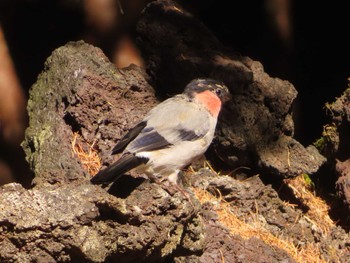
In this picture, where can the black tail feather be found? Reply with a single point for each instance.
(115, 170)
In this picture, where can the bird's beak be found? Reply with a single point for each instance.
(227, 97)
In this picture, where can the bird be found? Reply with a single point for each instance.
(171, 136)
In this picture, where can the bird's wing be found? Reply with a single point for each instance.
(132, 134)
(171, 122)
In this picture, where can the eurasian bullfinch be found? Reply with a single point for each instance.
(171, 135)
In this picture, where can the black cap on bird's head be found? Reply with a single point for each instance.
(200, 85)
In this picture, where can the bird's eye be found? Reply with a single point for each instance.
(218, 92)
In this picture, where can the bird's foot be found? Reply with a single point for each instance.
(171, 185)
(173, 188)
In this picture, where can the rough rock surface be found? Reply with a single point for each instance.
(343, 182)
(336, 143)
(256, 128)
(76, 223)
(259, 205)
(64, 218)
(80, 91)
(224, 247)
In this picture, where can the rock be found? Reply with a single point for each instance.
(335, 144)
(75, 222)
(223, 247)
(343, 182)
(80, 91)
(260, 207)
(256, 128)
(66, 218)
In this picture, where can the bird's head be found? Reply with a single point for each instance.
(216, 87)
(209, 92)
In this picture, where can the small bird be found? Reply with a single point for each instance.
(171, 135)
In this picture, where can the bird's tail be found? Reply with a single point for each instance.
(115, 170)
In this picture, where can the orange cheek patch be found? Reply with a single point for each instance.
(211, 101)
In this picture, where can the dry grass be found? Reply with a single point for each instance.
(236, 226)
(318, 208)
(86, 153)
(317, 213)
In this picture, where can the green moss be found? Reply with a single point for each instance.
(320, 144)
(329, 136)
(309, 183)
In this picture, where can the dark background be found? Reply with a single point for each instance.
(314, 57)
(316, 60)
